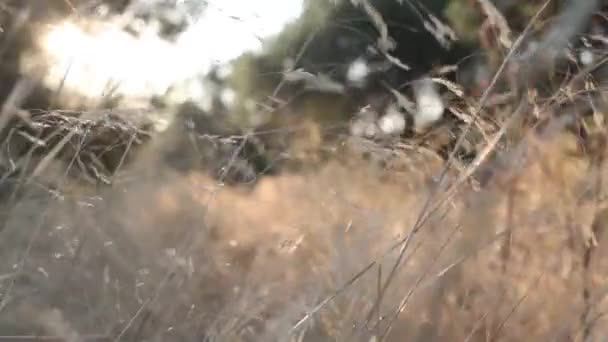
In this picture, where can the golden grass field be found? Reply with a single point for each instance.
(369, 241)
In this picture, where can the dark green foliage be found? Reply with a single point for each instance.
(329, 36)
(200, 140)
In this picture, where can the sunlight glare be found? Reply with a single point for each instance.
(104, 56)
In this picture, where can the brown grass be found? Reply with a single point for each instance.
(512, 249)
(181, 252)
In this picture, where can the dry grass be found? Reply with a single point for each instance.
(180, 257)
(380, 243)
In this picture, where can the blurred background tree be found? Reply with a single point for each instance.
(254, 91)
(326, 39)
